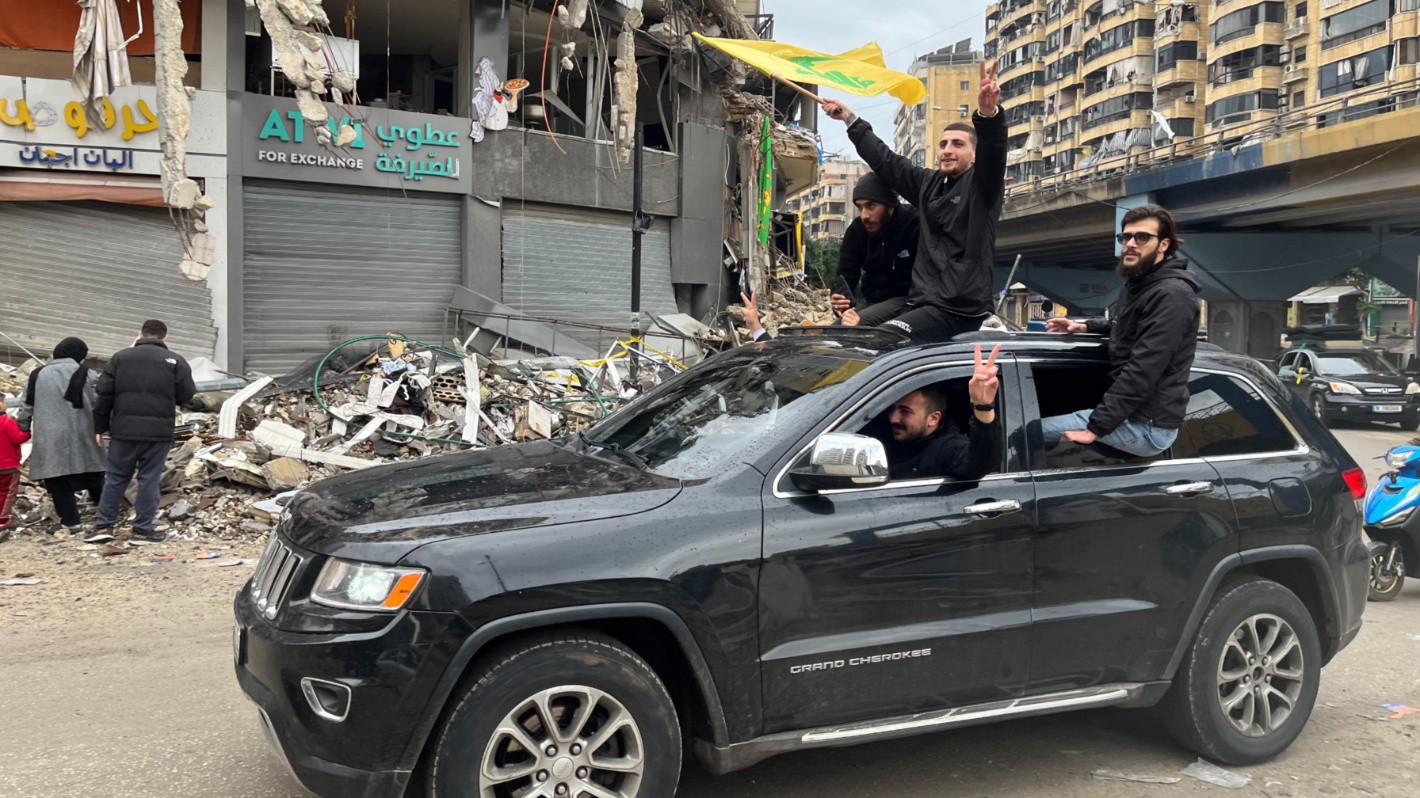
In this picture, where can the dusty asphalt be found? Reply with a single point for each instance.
(116, 681)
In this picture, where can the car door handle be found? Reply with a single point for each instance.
(1189, 489)
(995, 508)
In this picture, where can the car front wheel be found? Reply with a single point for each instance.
(566, 716)
(1319, 407)
(1249, 679)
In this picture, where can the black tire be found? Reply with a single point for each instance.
(1411, 425)
(1319, 409)
(570, 673)
(1386, 586)
(1193, 710)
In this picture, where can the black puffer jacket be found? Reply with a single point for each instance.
(1153, 333)
(958, 242)
(140, 390)
(883, 264)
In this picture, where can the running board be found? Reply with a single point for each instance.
(738, 756)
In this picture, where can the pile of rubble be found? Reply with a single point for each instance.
(242, 447)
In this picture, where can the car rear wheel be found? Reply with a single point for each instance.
(562, 717)
(1249, 679)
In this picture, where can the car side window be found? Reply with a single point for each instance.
(1063, 389)
(1288, 361)
(1227, 416)
(872, 418)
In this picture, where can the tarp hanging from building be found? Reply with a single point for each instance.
(100, 60)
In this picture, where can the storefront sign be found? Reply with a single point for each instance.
(44, 126)
(392, 149)
(1383, 294)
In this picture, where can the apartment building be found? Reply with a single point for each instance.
(952, 77)
(827, 206)
(1098, 86)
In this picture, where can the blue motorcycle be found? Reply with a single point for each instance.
(1393, 525)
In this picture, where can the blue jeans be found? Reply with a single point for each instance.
(1131, 437)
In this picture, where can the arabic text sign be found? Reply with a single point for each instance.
(90, 158)
(391, 148)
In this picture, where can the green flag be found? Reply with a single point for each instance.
(766, 183)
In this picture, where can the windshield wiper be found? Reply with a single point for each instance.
(626, 454)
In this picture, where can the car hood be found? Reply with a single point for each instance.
(384, 512)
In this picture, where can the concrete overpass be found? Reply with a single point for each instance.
(1263, 218)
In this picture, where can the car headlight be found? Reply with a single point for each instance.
(350, 585)
(1412, 389)
(1344, 387)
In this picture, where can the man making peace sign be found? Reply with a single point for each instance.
(925, 443)
(959, 203)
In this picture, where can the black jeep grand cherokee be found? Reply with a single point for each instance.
(725, 561)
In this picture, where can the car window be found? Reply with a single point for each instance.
(1348, 364)
(1062, 389)
(1227, 416)
(1288, 360)
(871, 418)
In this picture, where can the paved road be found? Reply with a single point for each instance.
(117, 682)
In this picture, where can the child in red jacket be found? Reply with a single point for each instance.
(11, 436)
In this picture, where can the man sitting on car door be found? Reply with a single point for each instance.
(1153, 333)
(926, 443)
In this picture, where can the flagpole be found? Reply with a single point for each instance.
(796, 87)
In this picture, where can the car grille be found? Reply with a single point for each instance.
(1384, 391)
(274, 575)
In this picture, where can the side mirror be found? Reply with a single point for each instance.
(841, 460)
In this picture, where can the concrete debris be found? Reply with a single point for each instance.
(627, 75)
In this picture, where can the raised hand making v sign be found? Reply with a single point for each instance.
(988, 102)
(983, 386)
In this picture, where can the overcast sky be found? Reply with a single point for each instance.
(903, 28)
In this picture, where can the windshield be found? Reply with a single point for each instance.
(1353, 364)
(716, 414)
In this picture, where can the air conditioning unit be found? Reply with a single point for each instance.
(1289, 69)
(1040, 59)
(1035, 150)
(1189, 98)
(1049, 139)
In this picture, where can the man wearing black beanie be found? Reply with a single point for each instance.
(878, 250)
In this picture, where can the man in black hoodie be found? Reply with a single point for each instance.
(876, 258)
(1153, 333)
(138, 396)
(959, 203)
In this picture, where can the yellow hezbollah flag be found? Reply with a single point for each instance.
(859, 71)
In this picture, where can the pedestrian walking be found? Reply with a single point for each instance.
(138, 396)
(11, 436)
(58, 411)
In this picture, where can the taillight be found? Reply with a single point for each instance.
(1356, 481)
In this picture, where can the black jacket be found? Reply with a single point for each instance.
(948, 453)
(958, 240)
(1153, 333)
(140, 390)
(884, 264)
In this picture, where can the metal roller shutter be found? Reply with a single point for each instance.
(323, 265)
(97, 270)
(575, 264)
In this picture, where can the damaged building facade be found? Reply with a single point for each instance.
(400, 171)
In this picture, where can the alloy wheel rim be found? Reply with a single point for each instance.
(571, 741)
(1383, 581)
(1260, 675)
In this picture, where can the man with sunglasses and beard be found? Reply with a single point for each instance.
(1153, 333)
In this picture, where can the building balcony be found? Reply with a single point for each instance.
(1293, 73)
(1118, 89)
(1138, 47)
(1296, 29)
(1034, 62)
(1181, 73)
(1109, 125)
(1264, 33)
(1186, 31)
(1245, 81)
